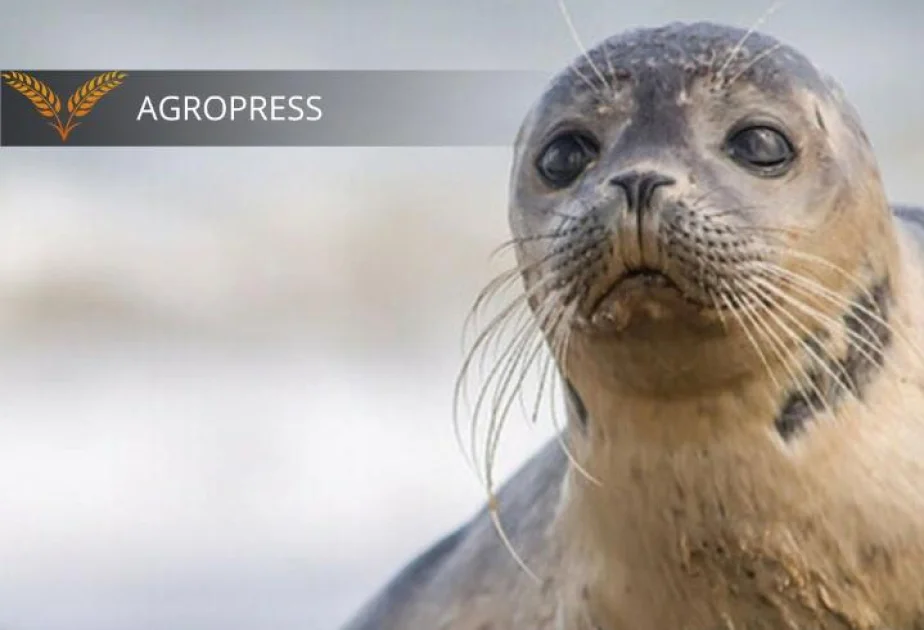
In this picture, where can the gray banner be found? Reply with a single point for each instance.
(264, 108)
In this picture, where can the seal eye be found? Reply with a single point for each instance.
(762, 149)
(566, 157)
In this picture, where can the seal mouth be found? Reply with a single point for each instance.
(642, 294)
(644, 279)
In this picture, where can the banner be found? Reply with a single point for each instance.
(147, 108)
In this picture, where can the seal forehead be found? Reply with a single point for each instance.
(671, 57)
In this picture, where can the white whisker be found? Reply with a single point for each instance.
(740, 44)
(563, 8)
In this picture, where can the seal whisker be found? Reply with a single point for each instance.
(756, 284)
(855, 280)
(500, 283)
(754, 306)
(723, 296)
(563, 9)
(493, 332)
(859, 342)
(737, 314)
(510, 361)
(522, 323)
(851, 373)
(719, 310)
(609, 61)
(494, 434)
(800, 380)
(765, 53)
(528, 343)
(720, 75)
(770, 230)
(515, 273)
(560, 350)
(547, 373)
(504, 362)
(593, 87)
(527, 336)
(494, 513)
(496, 327)
(531, 413)
(783, 351)
(519, 320)
(856, 340)
(809, 348)
(812, 287)
(502, 365)
(712, 213)
(515, 242)
(541, 322)
(501, 408)
(564, 215)
(479, 346)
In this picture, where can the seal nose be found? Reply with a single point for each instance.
(639, 187)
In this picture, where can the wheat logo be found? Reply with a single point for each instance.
(48, 103)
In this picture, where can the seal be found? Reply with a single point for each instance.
(736, 313)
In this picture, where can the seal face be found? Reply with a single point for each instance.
(667, 168)
(734, 312)
(671, 174)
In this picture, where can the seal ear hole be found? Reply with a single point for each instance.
(761, 148)
(565, 157)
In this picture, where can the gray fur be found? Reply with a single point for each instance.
(472, 565)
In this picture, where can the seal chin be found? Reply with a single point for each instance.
(641, 295)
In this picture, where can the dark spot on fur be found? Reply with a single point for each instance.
(865, 325)
(635, 472)
(797, 409)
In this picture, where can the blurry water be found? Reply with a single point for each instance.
(171, 485)
(225, 375)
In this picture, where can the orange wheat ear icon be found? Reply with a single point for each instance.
(48, 103)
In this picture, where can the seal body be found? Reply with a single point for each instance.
(736, 312)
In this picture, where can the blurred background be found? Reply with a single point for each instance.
(226, 374)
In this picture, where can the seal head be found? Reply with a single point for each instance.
(669, 175)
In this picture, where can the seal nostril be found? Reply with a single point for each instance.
(639, 187)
